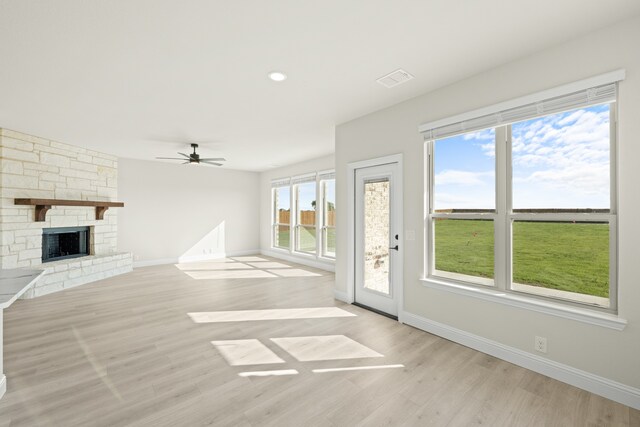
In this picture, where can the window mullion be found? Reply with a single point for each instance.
(293, 212)
(502, 256)
(318, 215)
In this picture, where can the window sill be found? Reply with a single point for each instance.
(578, 314)
(276, 248)
(304, 254)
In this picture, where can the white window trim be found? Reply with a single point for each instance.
(502, 291)
(274, 217)
(321, 218)
(580, 314)
(296, 211)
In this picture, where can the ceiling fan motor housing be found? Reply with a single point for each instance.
(194, 158)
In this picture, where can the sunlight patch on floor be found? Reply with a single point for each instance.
(268, 264)
(268, 373)
(229, 274)
(246, 352)
(217, 266)
(251, 258)
(270, 314)
(252, 267)
(328, 347)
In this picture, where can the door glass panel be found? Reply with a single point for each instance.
(376, 235)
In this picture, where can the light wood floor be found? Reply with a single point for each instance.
(124, 351)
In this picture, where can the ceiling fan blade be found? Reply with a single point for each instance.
(215, 159)
(210, 163)
(169, 158)
(186, 155)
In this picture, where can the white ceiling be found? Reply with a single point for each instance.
(143, 78)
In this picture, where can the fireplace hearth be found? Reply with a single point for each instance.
(64, 243)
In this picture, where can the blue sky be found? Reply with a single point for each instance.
(283, 198)
(331, 191)
(559, 161)
(306, 194)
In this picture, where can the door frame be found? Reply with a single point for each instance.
(351, 225)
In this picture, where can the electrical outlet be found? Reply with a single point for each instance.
(540, 344)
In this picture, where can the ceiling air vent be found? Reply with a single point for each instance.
(395, 78)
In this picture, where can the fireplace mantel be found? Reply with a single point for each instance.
(43, 205)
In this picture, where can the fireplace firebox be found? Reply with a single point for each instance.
(65, 242)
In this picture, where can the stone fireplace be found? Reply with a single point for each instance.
(34, 167)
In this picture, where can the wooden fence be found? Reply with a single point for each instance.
(307, 217)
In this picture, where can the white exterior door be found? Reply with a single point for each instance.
(377, 237)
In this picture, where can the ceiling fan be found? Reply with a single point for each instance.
(194, 158)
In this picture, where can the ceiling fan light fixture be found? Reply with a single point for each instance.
(277, 76)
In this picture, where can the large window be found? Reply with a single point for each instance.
(310, 227)
(305, 191)
(528, 206)
(281, 194)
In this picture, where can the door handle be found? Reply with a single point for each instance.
(394, 247)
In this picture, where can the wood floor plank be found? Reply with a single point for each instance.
(125, 352)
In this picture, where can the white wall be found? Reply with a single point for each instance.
(611, 354)
(180, 212)
(314, 165)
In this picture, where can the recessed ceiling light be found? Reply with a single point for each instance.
(277, 76)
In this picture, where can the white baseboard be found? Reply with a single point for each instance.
(341, 296)
(193, 258)
(310, 261)
(604, 387)
(3, 384)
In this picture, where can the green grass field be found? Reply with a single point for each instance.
(307, 239)
(571, 257)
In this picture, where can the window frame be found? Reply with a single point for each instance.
(504, 216)
(296, 219)
(275, 217)
(323, 226)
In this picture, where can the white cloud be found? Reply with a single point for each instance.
(489, 149)
(457, 177)
(571, 117)
(486, 134)
(567, 153)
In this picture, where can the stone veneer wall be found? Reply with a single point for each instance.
(33, 167)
